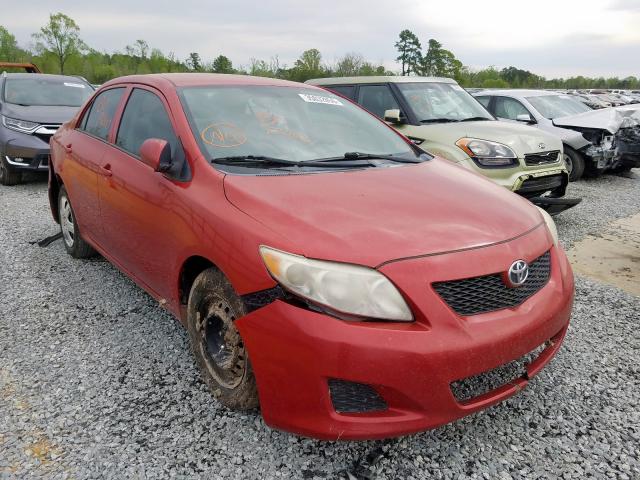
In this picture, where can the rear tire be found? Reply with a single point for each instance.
(216, 343)
(74, 244)
(574, 162)
(7, 177)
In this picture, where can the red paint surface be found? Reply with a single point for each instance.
(418, 224)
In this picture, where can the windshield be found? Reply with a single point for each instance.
(289, 123)
(46, 91)
(434, 102)
(555, 106)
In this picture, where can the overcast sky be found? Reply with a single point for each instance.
(555, 38)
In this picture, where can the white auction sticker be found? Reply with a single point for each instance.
(76, 85)
(319, 99)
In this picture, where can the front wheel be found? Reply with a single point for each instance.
(74, 244)
(217, 345)
(7, 177)
(574, 162)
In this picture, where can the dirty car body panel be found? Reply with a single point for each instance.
(428, 228)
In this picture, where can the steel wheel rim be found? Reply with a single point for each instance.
(67, 224)
(568, 163)
(220, 343)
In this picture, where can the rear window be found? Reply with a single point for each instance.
(344, 90)
(46, 91)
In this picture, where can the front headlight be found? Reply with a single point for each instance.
(488, 154)
(344, 288)
(19, 125)
(551, 225)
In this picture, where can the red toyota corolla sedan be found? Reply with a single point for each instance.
(327, 270)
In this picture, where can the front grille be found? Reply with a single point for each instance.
(352, 397)
(472, 296)
(539, 185)
(541, 158)
(477, 385)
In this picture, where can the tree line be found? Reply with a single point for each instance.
(58, 48)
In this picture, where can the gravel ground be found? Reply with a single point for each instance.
(97, 381)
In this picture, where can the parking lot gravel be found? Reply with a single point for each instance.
(97, 381)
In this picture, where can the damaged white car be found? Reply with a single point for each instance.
(594, 140)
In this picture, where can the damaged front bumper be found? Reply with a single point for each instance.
(546, 190)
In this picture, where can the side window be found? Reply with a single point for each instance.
(377, 99)
(344, 90)
(144, 117)
(509, 108)
(484, 101)
(97, 121)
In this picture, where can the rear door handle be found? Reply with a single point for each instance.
(105, 170)
(68, 148)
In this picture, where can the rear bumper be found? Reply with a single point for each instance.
(295, 352)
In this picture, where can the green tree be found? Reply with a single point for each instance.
(309, 65)
(222, 64)
(61, 37)
(194, 61)
(409, 49)
(9, 50)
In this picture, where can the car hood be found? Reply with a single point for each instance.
(377, 215)
(521, 138)
(39, 114)
(609, 119)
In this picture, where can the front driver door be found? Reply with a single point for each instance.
(140, 208)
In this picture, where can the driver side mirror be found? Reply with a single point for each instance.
(525, 118)
(156, 153)
(393, 116)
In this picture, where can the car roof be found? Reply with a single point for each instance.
(43, 76)
(518, 92)
(200, 79)
(378, 79)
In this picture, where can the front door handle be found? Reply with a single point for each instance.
(105, 170)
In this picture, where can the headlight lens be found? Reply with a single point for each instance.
(349, 289)
(487, 153)
(551, 225)
(19, 125)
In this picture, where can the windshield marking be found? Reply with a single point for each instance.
(319, 99)
(223, 135)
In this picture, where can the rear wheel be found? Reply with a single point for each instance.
(74, 244)
(574, 162)
(8, 177)
(217, 344)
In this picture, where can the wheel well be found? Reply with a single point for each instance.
(191, 268)
(54, 190)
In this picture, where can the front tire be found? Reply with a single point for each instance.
(216, 343)
(7, 177)
(574, 162)
(74, 244)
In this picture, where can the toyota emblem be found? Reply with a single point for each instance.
(518, 273)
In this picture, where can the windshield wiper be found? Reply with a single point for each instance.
(474, 119)
(273, 161)
(438, 120)
(241, 159)
(366, 156)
